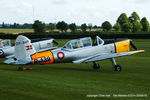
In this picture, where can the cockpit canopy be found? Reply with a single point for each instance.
(83, 42)
(78, 43)
(5, 43)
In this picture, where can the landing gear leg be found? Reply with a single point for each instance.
(96, 66)
(116, 67)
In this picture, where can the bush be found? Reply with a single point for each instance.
(75, 35)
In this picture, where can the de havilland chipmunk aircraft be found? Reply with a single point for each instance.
(7, 50)
(75, 51)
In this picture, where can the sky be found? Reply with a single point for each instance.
(93, 12)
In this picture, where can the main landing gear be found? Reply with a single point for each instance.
(96, 66)
(116, 67)
(22, 69)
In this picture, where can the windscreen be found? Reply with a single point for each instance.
(78, 43)
(5, 43)
(86, 42)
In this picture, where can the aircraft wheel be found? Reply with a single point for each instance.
(118, 68)
(96, 65)
(20, 69)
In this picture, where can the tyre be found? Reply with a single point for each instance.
(118, 68)
(96, 65)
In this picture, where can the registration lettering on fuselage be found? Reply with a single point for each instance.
(45, 57)
(42, 60)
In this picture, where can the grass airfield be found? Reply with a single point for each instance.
(76, 81)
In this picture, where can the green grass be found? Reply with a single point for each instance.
(15, 31)
(75, 81)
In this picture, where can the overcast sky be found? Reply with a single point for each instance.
(71, 11)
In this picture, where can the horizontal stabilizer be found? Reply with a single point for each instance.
(18, 62)
(11, 56)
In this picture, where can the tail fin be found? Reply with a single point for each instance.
(23, 48)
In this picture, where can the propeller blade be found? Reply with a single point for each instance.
(133, 46)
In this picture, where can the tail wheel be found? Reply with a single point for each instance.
(118, 68)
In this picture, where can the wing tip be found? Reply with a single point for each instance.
(139, 51)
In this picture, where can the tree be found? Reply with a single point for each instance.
(38, 27)
(127, 27)
(62, 26)
(51, 26)
(122, 19)
(84, 27)
(117, 27)
(145, 24)
(106, 26)
(137, 26)
(27, 26)
(134, 17)
(135, 20)
(90, 26)
(15, 25)
(3, 25)
(95, 27)
(73, 27)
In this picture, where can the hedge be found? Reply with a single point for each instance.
(79, 35)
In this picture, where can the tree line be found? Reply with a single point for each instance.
(133, 23)
(39, 27)
(17, 26)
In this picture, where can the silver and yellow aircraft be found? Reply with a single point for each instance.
(6, 50)
(75, 51)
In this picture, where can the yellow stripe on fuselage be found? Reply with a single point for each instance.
(122, 46)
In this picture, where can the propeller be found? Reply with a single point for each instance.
(133, 46)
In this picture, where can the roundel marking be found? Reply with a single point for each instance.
(1, 52)
(60, 55)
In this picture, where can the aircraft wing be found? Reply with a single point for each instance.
(106, 56)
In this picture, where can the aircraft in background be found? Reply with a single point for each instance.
(75, 51)
(39, 44)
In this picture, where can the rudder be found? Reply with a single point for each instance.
(23, 48)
